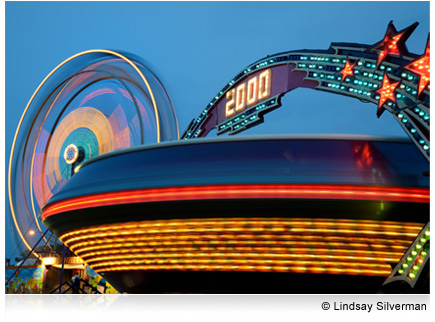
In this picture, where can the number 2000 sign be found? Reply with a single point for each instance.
(248, 93)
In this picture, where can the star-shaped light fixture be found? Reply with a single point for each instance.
(386, 93)
(347, 70)
(421, 67)
(393, 42)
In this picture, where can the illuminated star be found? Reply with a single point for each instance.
(386, 93)
(421, 67)
(347, 70)
(393, 42)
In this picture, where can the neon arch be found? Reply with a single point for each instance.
(385, 74)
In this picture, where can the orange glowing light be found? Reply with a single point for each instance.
(347, 70)
(421, 67)
(386, 92)
(239, 191)
(393, 42)
(389, 47)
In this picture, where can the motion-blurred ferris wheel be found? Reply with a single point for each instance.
(94, 102)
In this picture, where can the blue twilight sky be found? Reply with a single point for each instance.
(195, 48)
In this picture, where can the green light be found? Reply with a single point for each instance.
(427, 233)
(414, 253)
(412, 275)
(405, 265)
(400, 271)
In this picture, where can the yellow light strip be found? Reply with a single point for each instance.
(348, 255)
(215, 225)
(381, 271)
(134, 249)
(273, 244)
(242, 239)
(235, 261)
(31, 100)
(217, 240)
(407, 233)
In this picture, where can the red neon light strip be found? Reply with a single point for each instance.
(239, 191)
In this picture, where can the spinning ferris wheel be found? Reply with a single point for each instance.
(94, 102)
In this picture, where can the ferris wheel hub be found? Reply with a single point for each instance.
(71, 154)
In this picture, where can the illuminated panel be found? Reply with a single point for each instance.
(254, 191)
(255, 89)
(244, 96)
(304, 245)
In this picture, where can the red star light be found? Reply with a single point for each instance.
(386, 93)
(347, 70)
(393, 42)
(421, 67)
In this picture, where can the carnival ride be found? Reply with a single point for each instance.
(89, 162)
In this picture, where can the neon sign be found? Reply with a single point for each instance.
(384, 74)
(255, 89)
